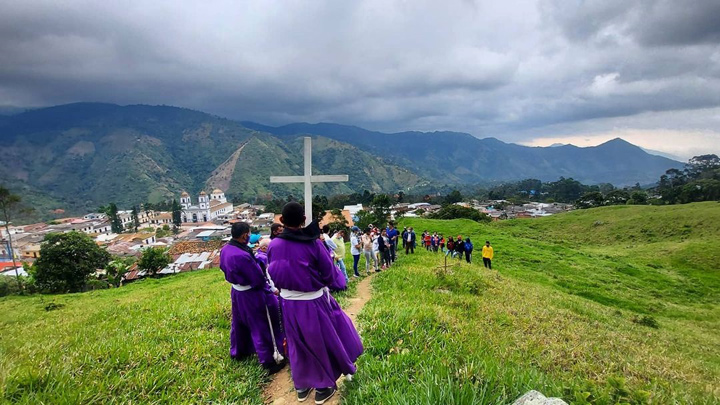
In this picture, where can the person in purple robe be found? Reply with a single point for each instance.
(255, 326)
(261, 257)
(322, 341)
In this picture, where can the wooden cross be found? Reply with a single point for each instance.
(307, 178)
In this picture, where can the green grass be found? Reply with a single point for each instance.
(153, 341)
(610, 305)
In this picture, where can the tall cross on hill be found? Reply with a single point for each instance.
(307, 178)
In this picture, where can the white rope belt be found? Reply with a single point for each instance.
(240, 287)
(301, 295)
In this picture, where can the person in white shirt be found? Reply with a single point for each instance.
(355, 247)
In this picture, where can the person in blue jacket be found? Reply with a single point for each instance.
(468, 250)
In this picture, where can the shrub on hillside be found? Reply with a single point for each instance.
(66, 262)
(646, 320)
(154, 260)
(116, 270)
(457, 211)
(9, 285)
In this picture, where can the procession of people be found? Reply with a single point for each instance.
(282, 309)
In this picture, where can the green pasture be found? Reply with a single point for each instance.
(610, 305)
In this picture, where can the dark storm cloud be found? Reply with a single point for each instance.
(673, 23)
(483, 67)
(648, 22)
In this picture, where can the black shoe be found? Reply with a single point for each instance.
(274, 367)
(324, 394)
(241, 357)
(302, 395)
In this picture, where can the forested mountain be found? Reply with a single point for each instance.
(453, 157)
(79, 156)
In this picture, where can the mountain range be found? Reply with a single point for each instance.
(79, 156)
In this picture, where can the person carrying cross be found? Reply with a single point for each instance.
(322, 341)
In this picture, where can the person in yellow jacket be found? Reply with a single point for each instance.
(487, 255)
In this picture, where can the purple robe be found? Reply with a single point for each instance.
(261, 257)
(322, 341)
(250, 330)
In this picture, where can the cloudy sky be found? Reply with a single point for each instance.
(532, 72)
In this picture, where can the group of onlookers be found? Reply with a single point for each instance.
(378, 246)
(453, 247)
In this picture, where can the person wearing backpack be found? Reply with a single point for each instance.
(468, 250)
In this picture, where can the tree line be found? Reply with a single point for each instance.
(698, 181)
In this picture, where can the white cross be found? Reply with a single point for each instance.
(308, 179)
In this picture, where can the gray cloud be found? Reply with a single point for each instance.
(510, 70)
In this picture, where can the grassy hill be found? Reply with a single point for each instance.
(609, 305)
(616, 304)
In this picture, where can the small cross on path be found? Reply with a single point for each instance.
(308, 179)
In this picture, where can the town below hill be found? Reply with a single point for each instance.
(195, 244)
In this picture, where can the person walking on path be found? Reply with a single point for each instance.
(322, 341)
(367, 245)
(339, 252)
(487, 255)
(410, 241)
(255, 326)
(468, 250)
(355, 247)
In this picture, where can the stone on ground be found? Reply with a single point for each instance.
(536, 398)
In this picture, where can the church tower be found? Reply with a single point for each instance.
(203, 201)
(218, 195)
(185, 200)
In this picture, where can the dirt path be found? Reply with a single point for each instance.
(280, 390)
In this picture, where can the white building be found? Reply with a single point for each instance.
(207, 208)
(353, 209)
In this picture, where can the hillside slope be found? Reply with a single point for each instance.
(574, 308)
(80, 156)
